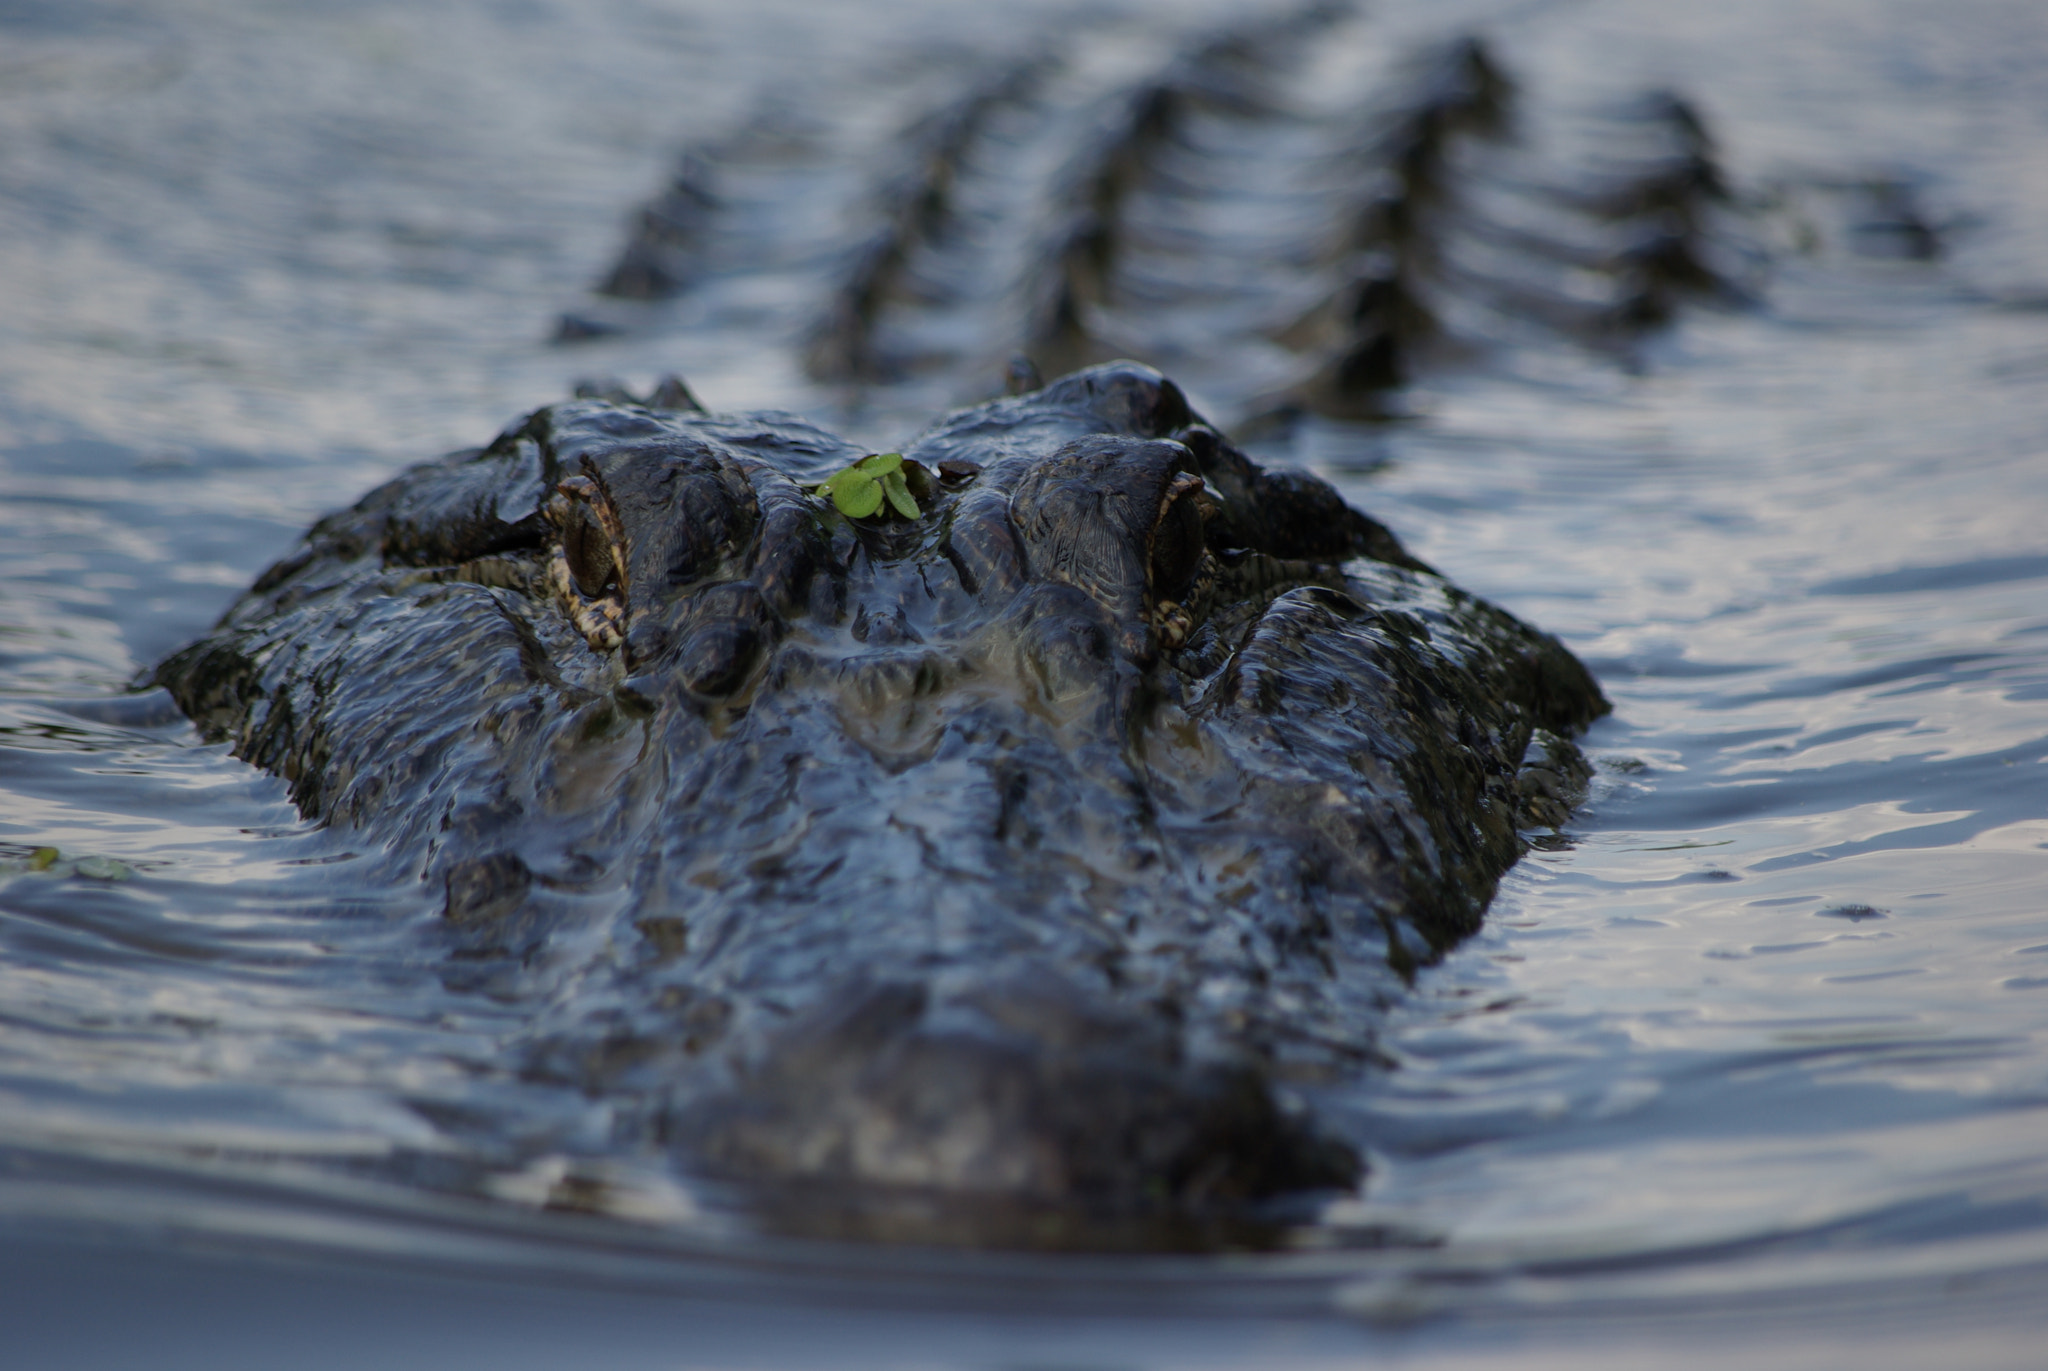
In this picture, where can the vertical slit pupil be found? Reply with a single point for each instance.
(1176, 550)
(588, 553)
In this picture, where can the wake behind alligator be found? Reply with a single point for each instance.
(1021, 860)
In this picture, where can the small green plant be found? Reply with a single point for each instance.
(48, 861)
(860, 489)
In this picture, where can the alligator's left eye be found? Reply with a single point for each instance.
(1176, 553)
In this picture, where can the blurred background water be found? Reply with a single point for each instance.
(1759, 1056)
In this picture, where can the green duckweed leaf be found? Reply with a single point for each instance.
(102, 869)
(849, 490)
(899, 495)
(49, 862)
(859, 490)
(858, 501)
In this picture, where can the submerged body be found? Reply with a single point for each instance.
(1048, 848)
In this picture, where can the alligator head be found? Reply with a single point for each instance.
(1047, 849)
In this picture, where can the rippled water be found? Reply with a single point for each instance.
(1761, 1054)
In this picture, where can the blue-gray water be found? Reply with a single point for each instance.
(1760, 1059)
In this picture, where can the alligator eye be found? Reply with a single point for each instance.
(587, 551)
(1177, 541)
(592, 541)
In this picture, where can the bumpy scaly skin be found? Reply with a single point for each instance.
(1038, 849)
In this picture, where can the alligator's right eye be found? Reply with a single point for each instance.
(1177, 542)
(587, 551)
(586, 545)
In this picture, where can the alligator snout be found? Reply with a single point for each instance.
(1031, 1088)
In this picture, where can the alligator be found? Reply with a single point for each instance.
(1038, 842)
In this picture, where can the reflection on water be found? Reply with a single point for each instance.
(1773, 1019)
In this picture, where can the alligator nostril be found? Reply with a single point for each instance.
(1177, 542)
